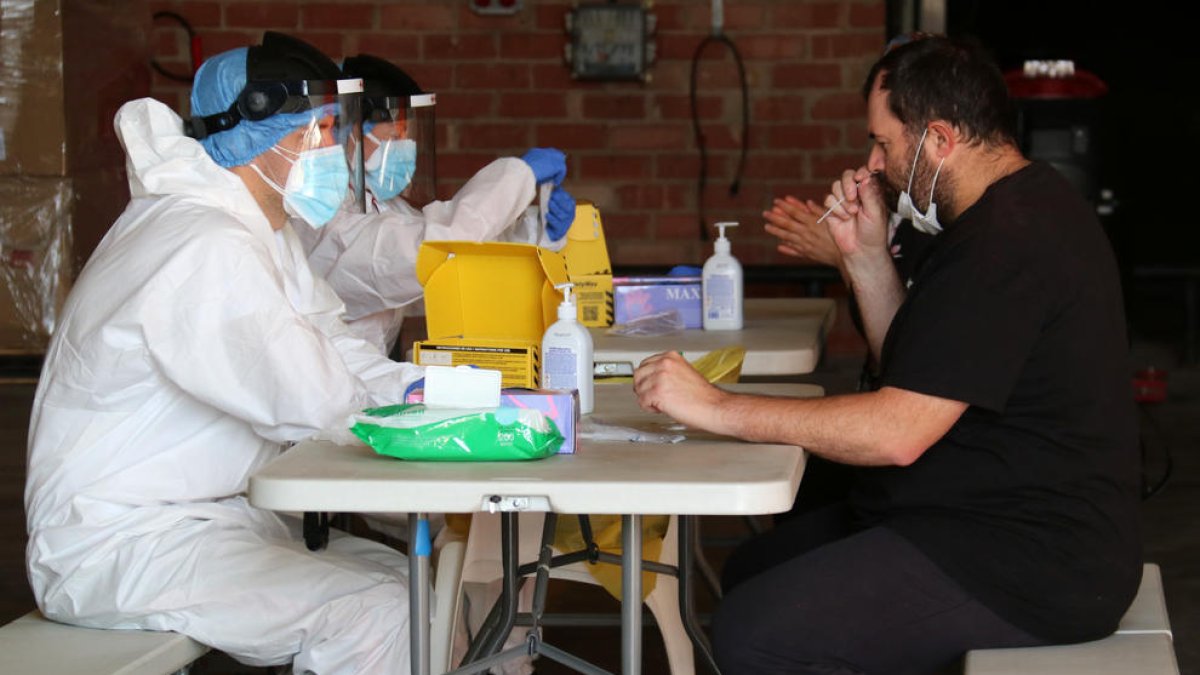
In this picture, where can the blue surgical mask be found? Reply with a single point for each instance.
(316, 185)
(390, 168)
(923, 222)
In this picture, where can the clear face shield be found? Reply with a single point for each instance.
(317, 167)
(400, 148)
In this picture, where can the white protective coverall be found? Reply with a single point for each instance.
(370, 259)
(195, 344)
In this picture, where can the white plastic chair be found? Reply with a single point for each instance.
(481, 564)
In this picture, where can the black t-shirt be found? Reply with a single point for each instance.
(1030, 500)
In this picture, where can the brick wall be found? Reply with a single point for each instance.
(502, 87)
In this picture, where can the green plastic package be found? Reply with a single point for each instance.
(412, 431)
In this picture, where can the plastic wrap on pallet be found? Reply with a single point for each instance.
(32, 115)
(35, 246)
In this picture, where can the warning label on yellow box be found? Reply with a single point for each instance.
(518, 366)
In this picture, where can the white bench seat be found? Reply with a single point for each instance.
(1143, 644)
(35, 645)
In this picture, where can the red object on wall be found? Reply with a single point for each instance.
(1150, 386)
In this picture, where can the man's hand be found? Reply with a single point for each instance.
(794, 223)
(859, 223)
(667, 383)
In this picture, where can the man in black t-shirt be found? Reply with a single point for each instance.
(995, 498)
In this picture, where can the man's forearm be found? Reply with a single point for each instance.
(879, 292)
(884, 428)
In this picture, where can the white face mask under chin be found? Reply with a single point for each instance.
(927, 222)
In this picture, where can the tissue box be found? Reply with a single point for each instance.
(636, 297)
(560, 406)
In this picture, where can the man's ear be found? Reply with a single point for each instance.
(945, 137)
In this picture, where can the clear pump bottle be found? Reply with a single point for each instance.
(722, 286)
(567, 360)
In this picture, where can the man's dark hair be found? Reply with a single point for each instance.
(951, 79)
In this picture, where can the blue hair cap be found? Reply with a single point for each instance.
(217, 85)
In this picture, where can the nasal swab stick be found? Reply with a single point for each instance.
(838, 203)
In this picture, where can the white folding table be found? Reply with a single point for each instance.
(782, 336)
(703, 475)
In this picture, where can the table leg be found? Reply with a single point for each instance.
(631, 595)
(418, 605)
(689, 540)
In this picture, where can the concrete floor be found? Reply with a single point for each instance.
(1171, 517)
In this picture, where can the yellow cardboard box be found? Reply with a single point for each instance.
(588, 266)
(487, 305)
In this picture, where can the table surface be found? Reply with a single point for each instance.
(703, 475)
(782, 336)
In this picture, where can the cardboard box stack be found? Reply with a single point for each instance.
(66, 66)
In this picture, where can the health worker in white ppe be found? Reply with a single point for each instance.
(370, 259)
(195, 345)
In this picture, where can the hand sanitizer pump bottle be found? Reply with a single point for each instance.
(567, 353)
(722, 286)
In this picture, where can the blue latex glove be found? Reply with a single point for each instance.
(560, 213)
(549, 165)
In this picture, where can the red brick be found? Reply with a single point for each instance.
(465, 105)
(723, 137)
(425, 17)
(667, 17)
(683, 46)
(649, 137)
(332, 43)
(719, 75)
(687, 166)
(789, 166)
(403, 50)
(679, 106)
(433, 77)
(626, 226)
(667, 253)
(326, 16)
(634, 197)
(459, 47)
(868, 15)
(175, 99)
(750, 197)
(554, 77)
(839, 107)
(540, 46)
(493, 135)
(832, 166)
(573, 136)
(778, 108)
(807, 15)
(537, 105)
(608, 167)
(741, 16)
(461, 165)
(802, 136)
(277, 16)
(469, 20)
(677, 226)
(773, 47)
(169, 45)
(848, 45)
(218, 42)
(806, 75)
(198, 14)
(491, 76)
(551, 17)
(614, 106)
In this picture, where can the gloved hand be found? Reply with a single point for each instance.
(548, 164)
(560, 213)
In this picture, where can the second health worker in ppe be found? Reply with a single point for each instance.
(369, 259)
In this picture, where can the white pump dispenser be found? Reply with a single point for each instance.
(722, 286)
(567, 360)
